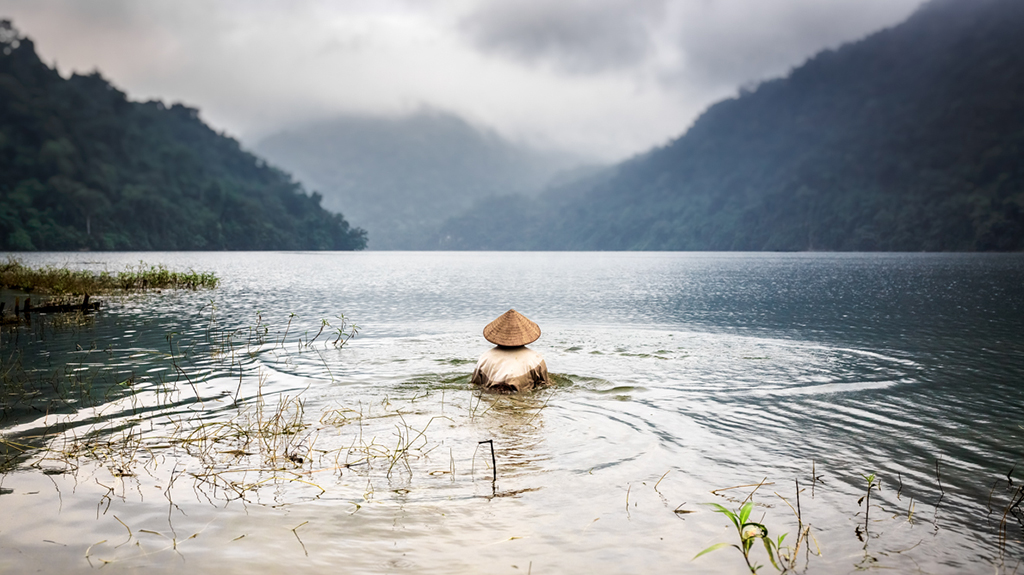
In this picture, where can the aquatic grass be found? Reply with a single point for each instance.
(25, 393)
(873, 483)
(790, 555)
(1014, 509)
(785, 557)
(269, 445)
(749, 533)
(63, 281)
(52, 279)
(273, 448)
(143, 277)
(343, 331)
(407, 442)
(265, 439)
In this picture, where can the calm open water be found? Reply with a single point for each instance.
(216, 431)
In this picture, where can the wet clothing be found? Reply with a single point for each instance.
(511, 369)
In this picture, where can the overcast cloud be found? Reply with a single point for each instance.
(604, 77)
(578, 36)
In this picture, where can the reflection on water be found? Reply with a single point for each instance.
(224, 430)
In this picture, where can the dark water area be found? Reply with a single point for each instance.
(679, 375)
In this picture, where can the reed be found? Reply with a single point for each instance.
(869, 529)
(230, 452)
(63, 281)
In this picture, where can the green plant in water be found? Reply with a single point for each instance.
(873, 483)
(144, 277)
(749, 532)
(64, 281)
(342, 335)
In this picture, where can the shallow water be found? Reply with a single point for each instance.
(678, 375)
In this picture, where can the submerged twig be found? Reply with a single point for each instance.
(758, 485)
(659, 480)
(296, 533)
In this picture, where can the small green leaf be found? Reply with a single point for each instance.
(714, 547)
(726, 512)
(771, 554)
(745, 511)
(719, 508)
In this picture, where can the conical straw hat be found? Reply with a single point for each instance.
(512, 329)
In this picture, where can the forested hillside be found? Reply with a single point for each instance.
(911, 139)
(82, 167)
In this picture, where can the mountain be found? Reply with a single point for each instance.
(401, 177)
(910, 139)
(82, 167)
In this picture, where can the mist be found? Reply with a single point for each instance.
(604, 79)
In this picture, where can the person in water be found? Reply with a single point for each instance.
(511, 367)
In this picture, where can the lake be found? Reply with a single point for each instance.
(240, 430)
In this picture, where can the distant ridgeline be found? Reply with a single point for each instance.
(402, 177)
(81, 167)
(911, 139)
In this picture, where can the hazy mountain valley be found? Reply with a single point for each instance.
(400, 178)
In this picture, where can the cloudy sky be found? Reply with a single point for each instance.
(607, 78)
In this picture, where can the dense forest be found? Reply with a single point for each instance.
(82, 167)
(401, 177)
(910, 139)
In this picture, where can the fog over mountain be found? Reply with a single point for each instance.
(604, 78)
(401, 177)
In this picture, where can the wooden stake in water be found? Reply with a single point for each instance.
(799, 516)
(494, 462)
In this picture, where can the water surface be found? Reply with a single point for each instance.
(217, 430)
